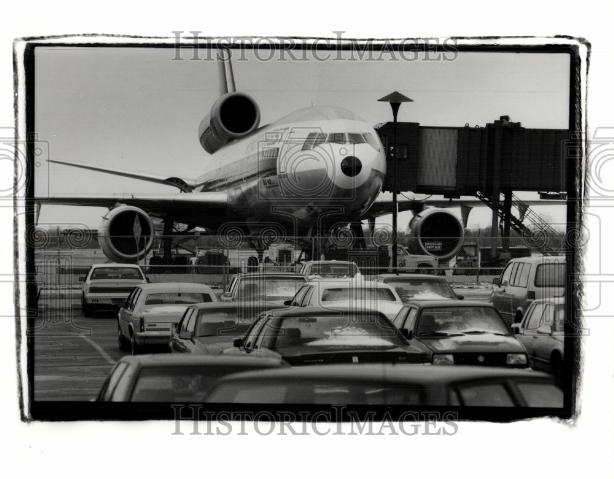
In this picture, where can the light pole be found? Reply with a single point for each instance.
(395, 99)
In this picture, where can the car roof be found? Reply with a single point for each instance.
(270, 274)
(179, 287)
(386, 276)
(298, 311)
(425, 303)
(116, 265)
(352, 282)
(180, 359)
(230, 306)
(538, 259)
(387, 373)
(554, 300)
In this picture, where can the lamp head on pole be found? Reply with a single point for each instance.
(395, 99)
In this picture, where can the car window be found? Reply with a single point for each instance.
(357, 293)
(559, 318)
(515, 278)
(189, 328)
(184, 322)
(108, 272)
(491, 395)
(513, 273)
(299, 295)
(548, 318)
(130, 300)
(522, 278)
(550, 275)
(135, 299)
(411, 318)
(177, 298)
(460, 320)
(421, 288)
(506, 273)
(541, 394)
(535, 319)
(308, 296)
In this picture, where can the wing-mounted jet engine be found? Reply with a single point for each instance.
(437, 232)
(234, 114)
(126, 234)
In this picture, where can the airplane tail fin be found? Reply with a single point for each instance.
(226, 75)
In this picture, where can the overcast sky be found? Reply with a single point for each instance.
(137, 108)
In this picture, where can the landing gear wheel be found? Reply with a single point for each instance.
(122, 342)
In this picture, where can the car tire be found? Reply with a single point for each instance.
(86, 309)
(122, 342)
(134, 348)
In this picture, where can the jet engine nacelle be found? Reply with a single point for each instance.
(126, 234)
(233, 116)
(436, 232)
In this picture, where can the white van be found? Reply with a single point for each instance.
(524, 280)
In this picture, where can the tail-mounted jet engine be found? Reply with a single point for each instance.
(233, 115)
(436, 232)
(126, 234)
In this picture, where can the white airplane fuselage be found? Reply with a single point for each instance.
(312, 168)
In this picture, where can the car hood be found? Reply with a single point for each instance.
(475, 343)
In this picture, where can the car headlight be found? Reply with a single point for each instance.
(516, 359)
(443, 359)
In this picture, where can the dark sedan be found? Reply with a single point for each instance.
(173, 377)
(315, 335)
(460, 332)
(209, 328)
(391, 384)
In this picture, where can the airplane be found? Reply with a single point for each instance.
(316, 169)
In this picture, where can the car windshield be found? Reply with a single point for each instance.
(108, 272)
(550, 275)
(224, 322)
(334, 270)
(357, 293)
(269, 288)
(422, 288)
(334, 330)
(178, 383)
(459, 320)
(177, 298)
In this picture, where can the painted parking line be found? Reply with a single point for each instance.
(98, 348)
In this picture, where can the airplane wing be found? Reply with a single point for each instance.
(182, 207)
(183, 184)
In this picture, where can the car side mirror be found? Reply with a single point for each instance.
(407, 334)
(237, 342)
(226, 296)
(81, 278)
(147, 279)
(516, 328)
(496, 281)
(288, 302)
(544, 329)
(460, 296)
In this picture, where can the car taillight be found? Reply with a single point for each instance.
(531, 295)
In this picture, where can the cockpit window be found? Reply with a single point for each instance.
(337, 138)
(313, 140)
(356, 138)
(372, 140)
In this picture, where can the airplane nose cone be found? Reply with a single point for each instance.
(351, 166)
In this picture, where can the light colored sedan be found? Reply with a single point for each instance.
(354, 293)
(153, 310)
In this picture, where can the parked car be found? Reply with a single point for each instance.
(152, 311)
(355, 293)
(314, 335)
(390, 384)
(542, 332)
(418, 286)
(173, 377)
(526, 279)
(460, 332)
(209, 328)
(275, 287)
(329, 269)
(106, 286)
